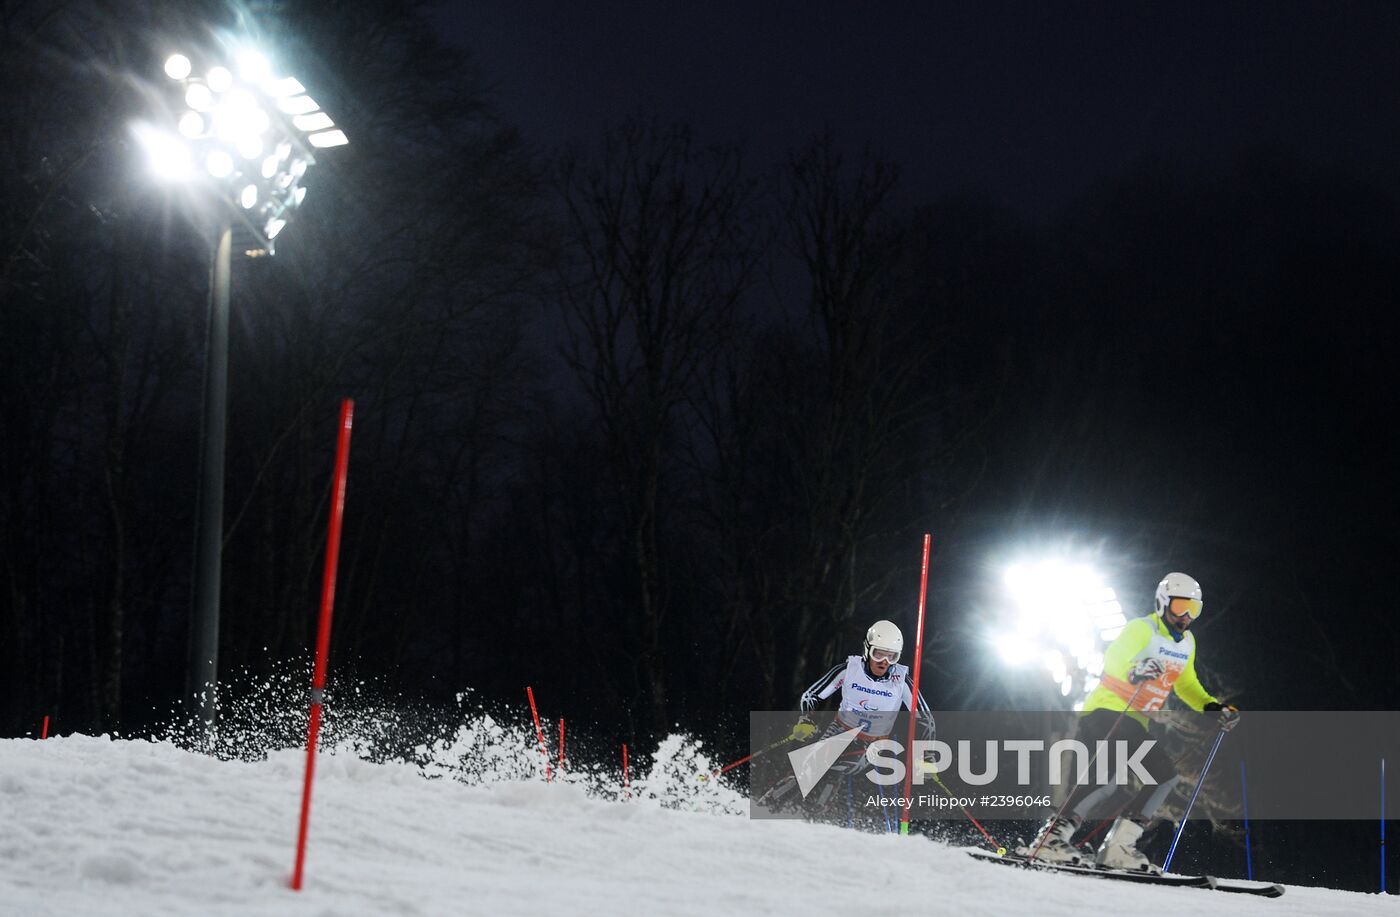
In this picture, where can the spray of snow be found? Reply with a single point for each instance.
(471, 743)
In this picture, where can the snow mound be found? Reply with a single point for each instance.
(97, 826)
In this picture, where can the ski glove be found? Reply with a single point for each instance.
(1229, 714)
(1145, 670)
(803, 731)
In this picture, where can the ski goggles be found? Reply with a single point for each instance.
(1189, 607)
(879, 655)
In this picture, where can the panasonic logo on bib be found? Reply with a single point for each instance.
(860, 687)
(1175, 655)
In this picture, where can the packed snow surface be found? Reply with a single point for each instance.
(92, 826)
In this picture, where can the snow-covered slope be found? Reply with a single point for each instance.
(91, 826)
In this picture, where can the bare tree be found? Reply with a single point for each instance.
(665, 248)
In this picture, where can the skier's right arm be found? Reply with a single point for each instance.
(822, 688)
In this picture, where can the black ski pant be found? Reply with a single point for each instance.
(1113, 727)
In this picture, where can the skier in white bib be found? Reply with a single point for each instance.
(873, 687)
(1152, 658)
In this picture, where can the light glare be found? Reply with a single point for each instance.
(168, 155)
(239, 116)
(328, 138)
(274, 226)
(219, 79)
(219, 164)
(192, 124)
(1061, 615)
(177, 66)
(316, 121)
(297, 105)
(248, 197)
(199, 97)
(250, 147)
(287, 86)
(269, 167)
(253, 66)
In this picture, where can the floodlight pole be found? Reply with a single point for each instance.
(204, 626)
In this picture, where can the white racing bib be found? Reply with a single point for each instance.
(870, 704)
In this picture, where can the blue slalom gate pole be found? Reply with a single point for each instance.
(1200, 781)
(1248, 855)
(850, 806)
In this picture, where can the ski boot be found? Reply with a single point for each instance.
(1055, 842)
(1119, 849)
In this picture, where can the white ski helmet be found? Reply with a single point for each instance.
(1176, 586)
(884, 635)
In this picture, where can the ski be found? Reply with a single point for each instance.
(1266, 890)
(1263, 889)
(1145, 878)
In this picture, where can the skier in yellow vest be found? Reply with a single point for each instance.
(1151, 658)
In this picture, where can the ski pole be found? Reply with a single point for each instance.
(1089, 769)
(1200, 781)
(996, 845)
(1244, 798)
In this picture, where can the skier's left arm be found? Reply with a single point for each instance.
(1188, 687)
(924, 720)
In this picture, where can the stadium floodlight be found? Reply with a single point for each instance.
(238, 106)
(1061, 615)
(248, 127)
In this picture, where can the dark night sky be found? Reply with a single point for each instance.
(1028, 103)
(1250, 444)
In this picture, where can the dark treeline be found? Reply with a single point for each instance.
(649, 426)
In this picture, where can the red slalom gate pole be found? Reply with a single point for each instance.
(626, 783)
(914, 687)
(323, 634)
(749, 757)
(544, 752)
(561, 744)
(45, 734)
